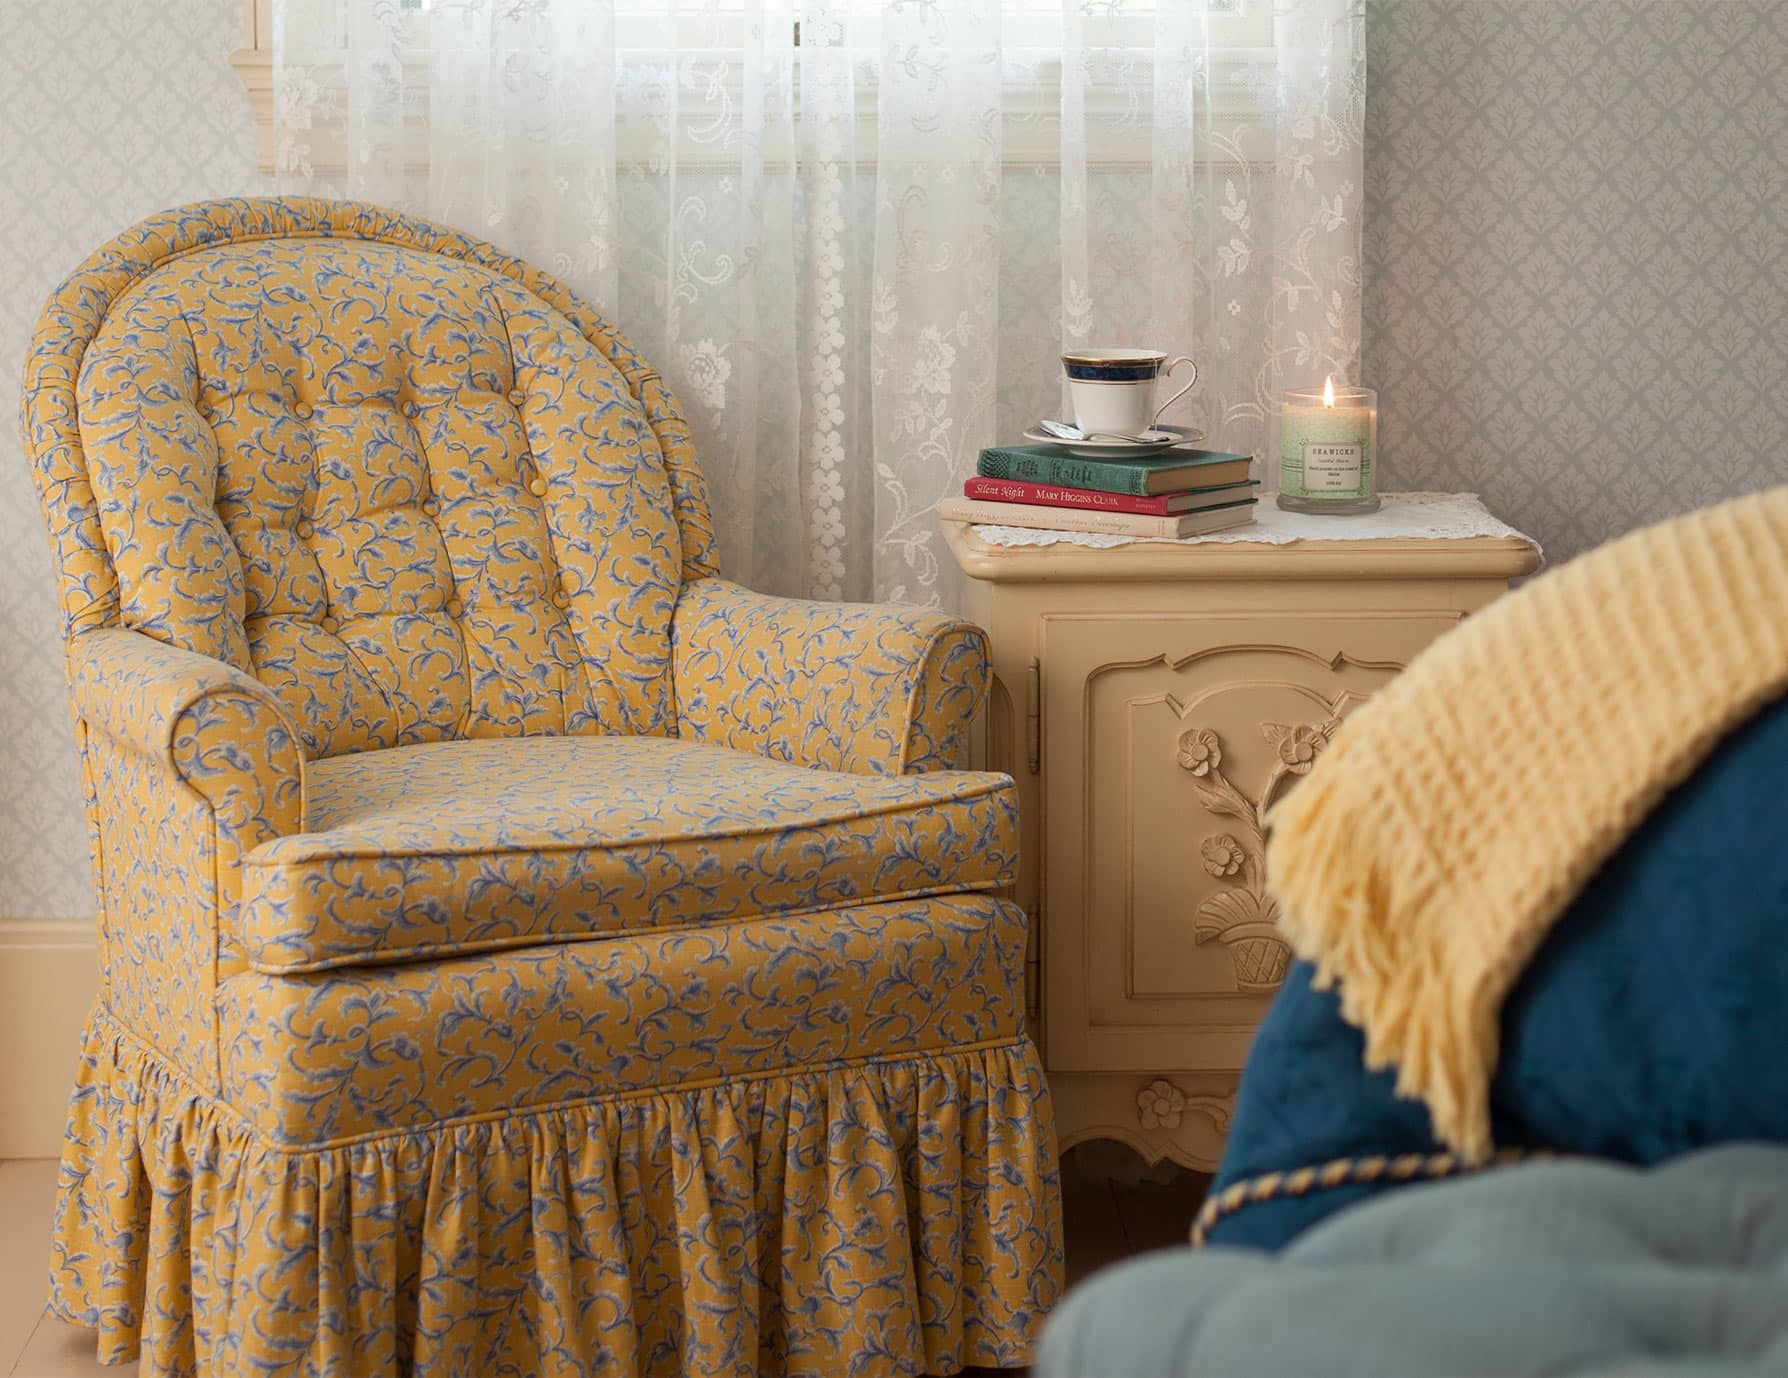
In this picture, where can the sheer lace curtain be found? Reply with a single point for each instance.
(854, 235)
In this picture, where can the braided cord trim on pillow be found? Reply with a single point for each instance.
(1341, 1172)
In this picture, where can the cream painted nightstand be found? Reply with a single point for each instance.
(1151, 700)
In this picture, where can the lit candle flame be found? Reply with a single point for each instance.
(1328, 391)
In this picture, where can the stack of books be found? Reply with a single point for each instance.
(1179, 493)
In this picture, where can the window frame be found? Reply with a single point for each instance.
(1030, 137)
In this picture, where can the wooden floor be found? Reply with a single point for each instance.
(34, 1344)
(1106, 1221)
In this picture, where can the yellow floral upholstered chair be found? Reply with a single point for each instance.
(523, 951)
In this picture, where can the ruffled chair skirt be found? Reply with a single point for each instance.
(887, 1216)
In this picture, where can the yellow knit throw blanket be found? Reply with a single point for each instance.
(1457, 814)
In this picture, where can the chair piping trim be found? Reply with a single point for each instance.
(124, 1034)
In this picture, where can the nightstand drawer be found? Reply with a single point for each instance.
(1167, 737)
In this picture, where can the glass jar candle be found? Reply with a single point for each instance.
(1328, 449)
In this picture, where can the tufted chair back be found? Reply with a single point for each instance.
(413, 486)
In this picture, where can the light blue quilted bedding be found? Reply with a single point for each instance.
(1568, 1270)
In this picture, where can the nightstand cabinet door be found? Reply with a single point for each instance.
(1167, 738)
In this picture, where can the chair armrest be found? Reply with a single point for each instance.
(219, 731)
(869, 688)
(189, 765)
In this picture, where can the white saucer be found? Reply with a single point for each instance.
(1154, 442)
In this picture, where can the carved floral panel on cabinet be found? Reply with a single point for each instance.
(1153, 702)
(1169, 738)
(1241, 914)
(1179, 1115)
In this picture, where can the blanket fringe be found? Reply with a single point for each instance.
(1455, 817)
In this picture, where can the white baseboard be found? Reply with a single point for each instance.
(49, 972)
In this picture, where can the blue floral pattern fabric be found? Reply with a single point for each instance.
(464, 846)
(522, 952)
(322, 1059)
(200, 767)
(840, 686)
(450, 520)
(862, 1218)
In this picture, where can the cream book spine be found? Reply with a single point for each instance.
(1082, 519)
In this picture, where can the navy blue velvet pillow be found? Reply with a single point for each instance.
(1653, 1021)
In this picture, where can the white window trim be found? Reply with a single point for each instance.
(1116, 138)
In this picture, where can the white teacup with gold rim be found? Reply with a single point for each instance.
(1113, 390)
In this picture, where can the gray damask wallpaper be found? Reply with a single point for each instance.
(109, 109)
(1576, 297)
(1576, 274)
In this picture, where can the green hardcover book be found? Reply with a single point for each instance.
(1144, 476)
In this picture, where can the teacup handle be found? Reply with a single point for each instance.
(1169, 367)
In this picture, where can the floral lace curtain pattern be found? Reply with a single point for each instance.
(854, 235)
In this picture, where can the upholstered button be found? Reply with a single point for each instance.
(561, 599)
(517, 397)
(302, 411)
(331, 624)
(538, 488)
(409, 409)
(432, 506)
(306, 530)
(455, 608)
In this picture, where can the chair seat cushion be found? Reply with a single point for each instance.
(453, 847)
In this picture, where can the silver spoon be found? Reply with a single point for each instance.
(1061, 430)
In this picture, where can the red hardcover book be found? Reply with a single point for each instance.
(1054, 495)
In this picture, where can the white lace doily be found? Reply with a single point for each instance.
(1404, 516)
